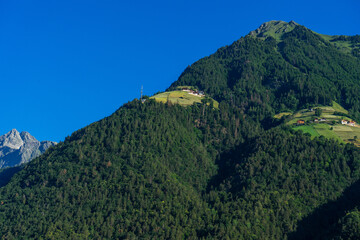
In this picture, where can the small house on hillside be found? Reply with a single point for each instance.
(196, 93)
(300, 122)
(316, 120)
(351, 123)
(343, 121)
(322, 120)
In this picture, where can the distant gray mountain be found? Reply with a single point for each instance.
(18, 148)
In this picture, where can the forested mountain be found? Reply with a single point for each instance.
(264, 76)
(164, 171)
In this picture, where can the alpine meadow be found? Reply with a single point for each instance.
(219, 155)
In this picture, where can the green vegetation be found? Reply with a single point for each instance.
(318, 112)
(280, 115)
(329, 113)
(182, 98)
(346, 44)
(188, 87)
(274, 29)
(331, 132)
(265, 77)
(328, 131)
(338, 108)
(350, 225)
(7, 173)
(163, 171)
(117, 178)
(308, 129)
(347, 133)
(331, 127)
(197, 173)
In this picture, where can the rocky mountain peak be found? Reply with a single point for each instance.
(17, 148)
(26, 137)
(11, 139)
(274, 29)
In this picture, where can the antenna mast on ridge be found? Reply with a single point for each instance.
(141, 93)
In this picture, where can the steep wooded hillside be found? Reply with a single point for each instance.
(267, 75)
(140, 172)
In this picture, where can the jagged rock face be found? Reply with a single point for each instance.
(12, 140)
(18, 148)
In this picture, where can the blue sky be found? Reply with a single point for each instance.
(65, 64)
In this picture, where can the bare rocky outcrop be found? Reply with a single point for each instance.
(18, 148)
(274, 29)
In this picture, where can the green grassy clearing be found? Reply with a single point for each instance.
(327, 109)
(297, 115)
(324, 130)
(343, 128)
(347, 132)
(280, 115)
(306, 114)
(321, 129)
(345, 46)
(337, 107)
(180, 97)
(189, 87)
(308, 129)
(331, 116)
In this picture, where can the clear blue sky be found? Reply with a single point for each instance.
(65, 64)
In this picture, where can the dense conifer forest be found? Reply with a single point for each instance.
(163, 171)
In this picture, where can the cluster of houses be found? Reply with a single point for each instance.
(343, 121)
(302, 122)
(193, 92)
(346, 122)
(316, 120)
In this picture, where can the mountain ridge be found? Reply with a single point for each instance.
(276, 29)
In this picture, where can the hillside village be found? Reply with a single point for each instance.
(317, 115)
(350, 123)
(328, 121)
(323, 120)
